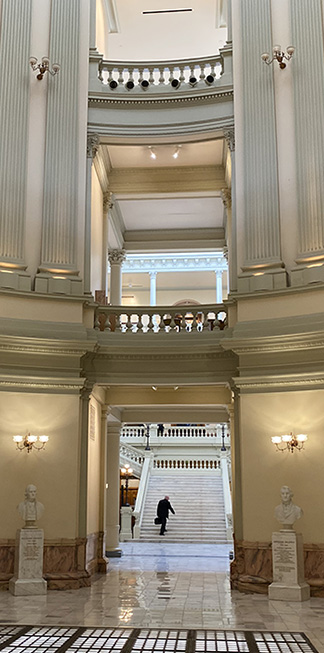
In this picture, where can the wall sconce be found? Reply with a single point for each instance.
(30, 442)
(152, 152)
(43, 67)
(176, 152)
(278, 55)
(289, 442)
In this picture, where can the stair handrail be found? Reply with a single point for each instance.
(141, 494)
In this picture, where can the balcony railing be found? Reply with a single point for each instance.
(142, 319)
(161, 76)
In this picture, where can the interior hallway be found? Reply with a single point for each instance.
(167, 586)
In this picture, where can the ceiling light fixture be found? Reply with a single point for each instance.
(176, 152)
(278, 55)
(152, 152)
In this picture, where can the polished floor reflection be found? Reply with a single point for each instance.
(166, 586)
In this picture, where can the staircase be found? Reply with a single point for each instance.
(198, 503)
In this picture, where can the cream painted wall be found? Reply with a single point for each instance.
(96, 233)
(143, 37)
(54, 471)
(94, 469)
(265, 415)
(168, 297)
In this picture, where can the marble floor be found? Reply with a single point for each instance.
(166, 586)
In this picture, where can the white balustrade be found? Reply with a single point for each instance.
(144, 319)
(171, 463)
(159, 76)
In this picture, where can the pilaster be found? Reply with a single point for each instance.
(229, 202)
(14, 101)
(58, 271)
(308, 79)
(262, 267)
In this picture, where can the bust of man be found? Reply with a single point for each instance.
(287, 512)
(30, 510)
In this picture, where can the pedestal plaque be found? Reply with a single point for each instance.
(28, 578)
(288, 567)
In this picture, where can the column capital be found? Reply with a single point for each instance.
(93, 142)
(153, 274)
(116, 256)
(107, 202)
(86, 391)
(226, 196)
(229, 135)
(225, 252)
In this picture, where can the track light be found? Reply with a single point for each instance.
(152, 152)
(113, 84)
(175, 83)
(176, 152)
(145, 84)
(129, 85)
(209, 79)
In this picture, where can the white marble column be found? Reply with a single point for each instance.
(15, 26)
(219, 286)
(102, 561)
(59, 267)
(84, 451)
(116, 258)
(153, 288)
(92, 149)
(112, 501)
(260, 173)
(106, 205)
(308, 81)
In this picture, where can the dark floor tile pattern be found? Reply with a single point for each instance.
(40, 639)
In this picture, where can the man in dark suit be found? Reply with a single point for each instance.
(162, 512)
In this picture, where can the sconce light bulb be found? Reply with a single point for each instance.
(130, 471)
(286, 438)
(33, 61)
(302, 437)
(45, 61)
(276, 439)
(17, 438)
(123, 470)
(290, 50)
(265, 56)
(277, 49)
(31, 438)
(56, 67)
(43, 438)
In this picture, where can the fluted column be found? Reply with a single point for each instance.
(153, 288)
(308, 80)
(15, 28)
(113, 480)
(92, 149)
(60, 208)
(116, 258)
(261, 210)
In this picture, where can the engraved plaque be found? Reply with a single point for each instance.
(284, 558)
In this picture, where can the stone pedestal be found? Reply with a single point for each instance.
(126, 513)
(28, 578)
(288, 568)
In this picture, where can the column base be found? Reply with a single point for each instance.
(29, 587)
(114, 553)
(306, 275)
(281, 592)
(253, 281)
(13, 279)
(59, 284)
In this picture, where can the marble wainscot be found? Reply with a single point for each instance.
(28, 575)
(288, 567)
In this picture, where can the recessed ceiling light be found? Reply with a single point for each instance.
(152, 152)
(176, 152)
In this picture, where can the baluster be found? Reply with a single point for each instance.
(107, 324)
(140, 74)
(97, 322)
(121, 75)
(151, 77)
(110, 75)
(129, 323)
(202, 70)
(150, 326)
(162, 75)
(182, 75)
(100, 69)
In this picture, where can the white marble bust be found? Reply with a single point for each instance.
(287, 512)
(30, 510)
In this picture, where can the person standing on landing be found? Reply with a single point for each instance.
(162, 512)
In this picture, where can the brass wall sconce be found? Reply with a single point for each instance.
(278, 55)
(44, 67)
(29, 442)
(289, 442)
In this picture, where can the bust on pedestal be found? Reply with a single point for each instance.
(288, 554)
(28, 578)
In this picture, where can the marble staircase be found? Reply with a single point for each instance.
(199, 505)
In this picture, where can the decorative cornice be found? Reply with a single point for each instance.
(272, 382)
(95, 100)
(141, 356)
(93, 142)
